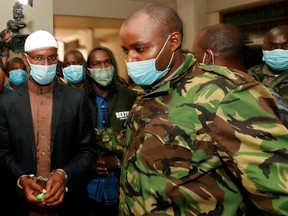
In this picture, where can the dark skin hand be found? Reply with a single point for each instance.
(54, 190)
(31, 190)
(105, 163)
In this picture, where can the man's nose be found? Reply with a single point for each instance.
(131, 57)
(46, 62)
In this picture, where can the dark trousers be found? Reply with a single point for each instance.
(101, 209)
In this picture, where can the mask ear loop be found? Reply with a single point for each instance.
(163, 46)
(170, 60)
(212, 54)
(203, 60)
(163, 49)
(204, 57)
(27, 58)
(29, 63)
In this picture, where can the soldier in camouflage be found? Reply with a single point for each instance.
(192, 123)
(273, 73)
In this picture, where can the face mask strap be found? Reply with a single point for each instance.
(204, 57)
(27, 58)
(170, 60)
(212, 54)
(163, 46)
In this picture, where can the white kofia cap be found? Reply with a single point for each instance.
(39, 39)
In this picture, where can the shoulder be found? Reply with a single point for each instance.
(256, 68)
(220, 74)
(10, 99)
(126, 91)
(257, 72)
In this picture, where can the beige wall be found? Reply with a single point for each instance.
(99, 8)
(193, 14)
(117, 9)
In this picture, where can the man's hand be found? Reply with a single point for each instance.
(7, 37)
(31, 189)
(105, 163)
(55, 189)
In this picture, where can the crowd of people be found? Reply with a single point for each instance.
(202, 135)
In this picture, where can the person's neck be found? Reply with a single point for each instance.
(276, 72)
(78, 85)
(238, 65)
(99, 90)
(12, 85)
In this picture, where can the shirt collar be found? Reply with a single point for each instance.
(39, 89)
(166, 84)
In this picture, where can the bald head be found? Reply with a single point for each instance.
(74, 52)
(73, 57)
(276, 38)
(166, 18)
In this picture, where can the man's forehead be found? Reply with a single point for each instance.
(139, 22)
(277, 39)
(72, 57)
(140, 30)
(16, 64)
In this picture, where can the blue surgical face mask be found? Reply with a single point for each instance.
(145, 72)
(43, 74)
(103, 76)
(18, 77)
(276, 59)
(73, 73)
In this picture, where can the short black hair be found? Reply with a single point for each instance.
(14, 60)
(225, 39)
(166, 17)
(116, 79)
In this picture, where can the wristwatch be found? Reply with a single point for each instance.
(3, 54)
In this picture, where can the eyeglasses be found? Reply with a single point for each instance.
(41, 59)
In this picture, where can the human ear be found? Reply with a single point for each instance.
(209, 60)
(24, 57)
(176, 40)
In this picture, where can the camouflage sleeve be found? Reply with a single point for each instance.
(256, 72)
(249, 136)
(111, 140)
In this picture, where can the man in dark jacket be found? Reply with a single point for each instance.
(110, 102)
(47, 147)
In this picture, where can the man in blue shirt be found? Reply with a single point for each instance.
(110, 102)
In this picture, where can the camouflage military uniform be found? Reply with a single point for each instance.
(176, 133)
(278, 83)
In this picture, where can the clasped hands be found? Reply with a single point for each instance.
(53, 189)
